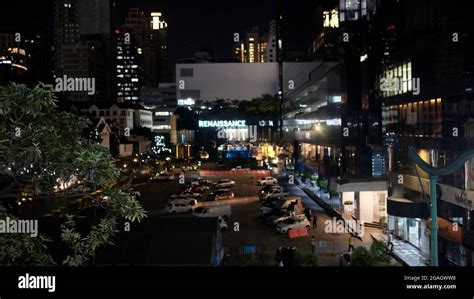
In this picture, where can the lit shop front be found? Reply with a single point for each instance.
(407, 221)
(239, 130)
(240, 140)
(365, 201)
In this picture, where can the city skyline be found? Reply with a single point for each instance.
(334, 135)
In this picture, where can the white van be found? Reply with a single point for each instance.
(223, 211)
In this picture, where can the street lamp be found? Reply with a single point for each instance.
(433, 173)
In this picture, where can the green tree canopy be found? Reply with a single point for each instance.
(48, 153)
(375, 256)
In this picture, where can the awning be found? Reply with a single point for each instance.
(363, 186)
(402, 207)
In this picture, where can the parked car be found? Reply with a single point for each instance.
(268, 188)
(275, 214)
(277, 220)
(221, 194)
(163, 177)
(267, 181)
(187, 200)
(292, 223)
(198, 189)
(223, 211)
(203, 182)
(279, 204)
(225, 183)
(275, 193)
(178, 208)
(187, 194)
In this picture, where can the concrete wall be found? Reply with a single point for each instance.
(242, 81)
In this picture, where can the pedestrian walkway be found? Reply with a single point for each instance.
(404, 252)
(333, 201)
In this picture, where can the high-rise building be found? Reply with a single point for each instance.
(252, 45)
(150, 34)
(66, 30)
(425, 84)
(16, 57)
(271, 43)
(95, 17)
(83, 46)
(257, 47)
(160, 44)
(129, 71)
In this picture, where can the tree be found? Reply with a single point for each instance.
(375, 256)
(46, 151)
(264, 105)
(306, 259)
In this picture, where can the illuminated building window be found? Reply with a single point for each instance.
(331, 19)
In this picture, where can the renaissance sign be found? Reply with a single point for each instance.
(222, 124)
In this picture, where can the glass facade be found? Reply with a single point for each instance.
(409, 230)
(415, 119)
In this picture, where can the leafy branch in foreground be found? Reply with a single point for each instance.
(48, 153)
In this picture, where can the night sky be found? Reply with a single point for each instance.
(193, 25)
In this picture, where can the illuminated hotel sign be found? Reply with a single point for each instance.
(222, 123)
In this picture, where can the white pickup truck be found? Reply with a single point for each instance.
(275, 193)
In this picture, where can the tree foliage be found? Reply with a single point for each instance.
(264, 105)
(23, 249)
(375, 256)
(49, 153)
(306, 259)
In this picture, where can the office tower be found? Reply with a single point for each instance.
(18, 55)
(257, 47)
(427, 98)
(129, 71)
(66, 30)
(271, 43)
(150, 34)
(83, 45)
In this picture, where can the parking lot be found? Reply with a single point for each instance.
(246, 229)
